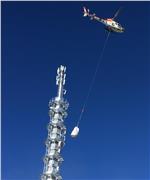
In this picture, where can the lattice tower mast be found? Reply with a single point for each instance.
(56, 130)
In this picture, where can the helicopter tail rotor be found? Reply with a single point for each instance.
(85, 12)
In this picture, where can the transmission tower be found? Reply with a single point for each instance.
(56, 130)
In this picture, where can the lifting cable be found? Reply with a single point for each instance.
(93, 80)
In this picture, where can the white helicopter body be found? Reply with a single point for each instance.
(110, 23)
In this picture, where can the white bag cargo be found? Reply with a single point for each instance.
(75, 132)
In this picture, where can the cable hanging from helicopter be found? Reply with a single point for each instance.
(111, 26)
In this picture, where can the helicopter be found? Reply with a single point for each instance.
(110, 24)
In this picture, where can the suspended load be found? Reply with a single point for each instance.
(75, 132)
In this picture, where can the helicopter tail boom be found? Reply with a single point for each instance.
(86, 12)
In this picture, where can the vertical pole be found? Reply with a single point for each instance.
(56, 130)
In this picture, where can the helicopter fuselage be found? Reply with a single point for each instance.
(112, 25)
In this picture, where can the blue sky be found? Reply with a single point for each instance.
(37, 37)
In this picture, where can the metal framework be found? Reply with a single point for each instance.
(56, 130)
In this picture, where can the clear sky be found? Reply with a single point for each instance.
(37, 37)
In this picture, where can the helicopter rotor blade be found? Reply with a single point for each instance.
(117, 12)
